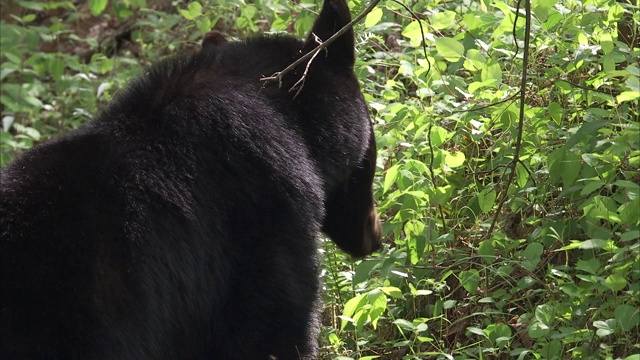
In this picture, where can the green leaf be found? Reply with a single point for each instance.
(605, 328)
(303, 23)
(632, 83)
(412, 31)
(474, 60)
(537, 330)
(450, 49)
(472, 21)
(204, 24)
(97, 6)
(592, 186)
(588, 129)
(392, 291)
(593, 244)
(630, 212)
(32, 5)
(590, 266)
(194, 10)
(378, 301)
(403, 324)
(615, 282)
(416, 242)
(628, 96)
(615, 13)
(32, 133)
(449, 304)
(56, 67)
(373, 18)
(522, 175)
(627, 316)
(439, 135)
(390, 177)
(186, 14)
(544, 314)
(556, 112)
(469, 280)
(419, 292)
(552, 349)
(533, 251)
(630, 235)
(606, 42)
(487, 251)
(350, 309)
(477, 331)
(443, 20)
(454, 160)
(475, 86)
(16, 59)
(571, 164)
(572, 290)
(363, 271)
(532, 255)
(442, 194)
(554, 161)
(492, 71)
(630, 185)
(486, 200)
(499, 334)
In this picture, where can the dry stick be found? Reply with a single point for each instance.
(523, 86)
(306, 70)
(280, 74)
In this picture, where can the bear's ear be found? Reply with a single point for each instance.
(213, 38)
(333, 17)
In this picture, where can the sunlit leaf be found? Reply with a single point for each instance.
(454, 160)
(450, 49)
(412, 31)
(373, 17)
(390, 177)
(615, 282)
(97, 6)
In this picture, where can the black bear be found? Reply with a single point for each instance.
(182, 223)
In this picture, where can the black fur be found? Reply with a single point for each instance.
(182, 222)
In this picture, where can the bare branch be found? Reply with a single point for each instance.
(311, 54)
(300, 82)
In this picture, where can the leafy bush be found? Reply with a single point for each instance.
(496, 247)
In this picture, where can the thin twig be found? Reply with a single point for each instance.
(306, 70)
(610, 92)
(523, 85)
(487, 105)
(513, 31)
(280, 74)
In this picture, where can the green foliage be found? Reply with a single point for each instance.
(549, 282)
(559, 276)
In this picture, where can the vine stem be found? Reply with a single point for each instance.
(523, 85)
